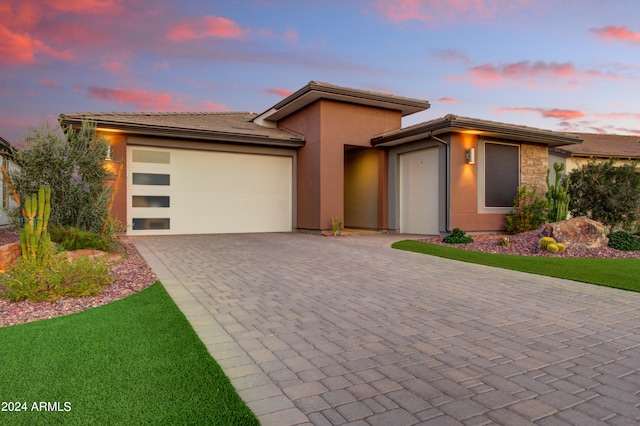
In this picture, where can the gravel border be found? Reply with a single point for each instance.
(527, 244)
(132, 272)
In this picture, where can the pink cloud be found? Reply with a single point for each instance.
(613, 33)
(115, 68)
(563, 114)
(620, 115)
(207, 26)
(533, 73)
(448, 100)
(291, 35)
(279, 91)
(143, 100)
(22, 48)
(446, 11)
(49, 83)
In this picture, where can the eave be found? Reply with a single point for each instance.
(315, 91)
(456, 124)
(204, 135)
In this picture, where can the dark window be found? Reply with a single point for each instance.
(150, 201)
(151, 179)
(501, 174)
(155, 223)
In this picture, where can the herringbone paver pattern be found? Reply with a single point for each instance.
(330, 331)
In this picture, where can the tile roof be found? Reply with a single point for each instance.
(456, 123)
(315, 90)
(223, 126)
(603, 145)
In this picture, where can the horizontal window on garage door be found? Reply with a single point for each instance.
(151, 179)
(151, 201)
(140, 224)
(146, 156)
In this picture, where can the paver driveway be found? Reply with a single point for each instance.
(347, 330)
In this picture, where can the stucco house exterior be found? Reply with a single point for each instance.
(601, 147)
(324, 151)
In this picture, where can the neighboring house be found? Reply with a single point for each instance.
(5, 194)
(323, 151)
(601, 147)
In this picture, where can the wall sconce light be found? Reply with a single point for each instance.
(471, 156)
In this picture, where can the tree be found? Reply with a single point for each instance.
(604, 192)
(72, 163)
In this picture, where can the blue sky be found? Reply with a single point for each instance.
(568, 65)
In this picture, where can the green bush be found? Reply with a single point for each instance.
(76, 239)
(457, 236)
(605, 192)
(529, 212)
(56, 278)
(622, 240)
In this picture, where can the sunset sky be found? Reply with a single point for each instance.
(571, 65)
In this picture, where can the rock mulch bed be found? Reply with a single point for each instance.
(527, 244)
(133, 275)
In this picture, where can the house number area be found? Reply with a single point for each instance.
(14, 406)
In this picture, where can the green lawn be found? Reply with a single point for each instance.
(134, 361)
(618, 273)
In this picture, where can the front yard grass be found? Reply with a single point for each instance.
(133, 361)
(617, 273)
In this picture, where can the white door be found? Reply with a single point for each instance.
(419, 192)
(173, 191)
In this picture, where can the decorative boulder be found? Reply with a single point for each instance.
(577, 232)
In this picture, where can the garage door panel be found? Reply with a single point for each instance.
(214, 192)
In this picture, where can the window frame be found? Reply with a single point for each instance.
(482, 208)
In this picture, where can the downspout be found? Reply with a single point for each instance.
(447, 179)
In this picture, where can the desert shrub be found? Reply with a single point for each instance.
(59, 277)
(72, 163)
(605, 192)
(76, 239)
(622, 240)
(457, 236)
(529, 212)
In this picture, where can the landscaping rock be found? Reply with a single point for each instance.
(577, 232)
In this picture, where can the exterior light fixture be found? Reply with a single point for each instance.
(471, 156)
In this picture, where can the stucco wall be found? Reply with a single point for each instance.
(118, 143)
(361, 188)
(327, 127)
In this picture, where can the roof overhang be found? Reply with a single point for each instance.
(315, 91)
(456, 124)
(204, 135)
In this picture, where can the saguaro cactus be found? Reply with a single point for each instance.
(34, 237)
(557, 195)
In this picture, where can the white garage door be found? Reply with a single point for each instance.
(172, 191)
(419, 192)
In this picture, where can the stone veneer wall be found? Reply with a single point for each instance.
(534, 160)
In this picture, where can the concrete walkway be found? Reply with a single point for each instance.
(319, 330)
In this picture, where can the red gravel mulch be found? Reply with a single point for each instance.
(133, 275)
(527, 244)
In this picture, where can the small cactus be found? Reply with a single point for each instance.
(34, 238)
(553, 248)
(545, 241)
(561, 247)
